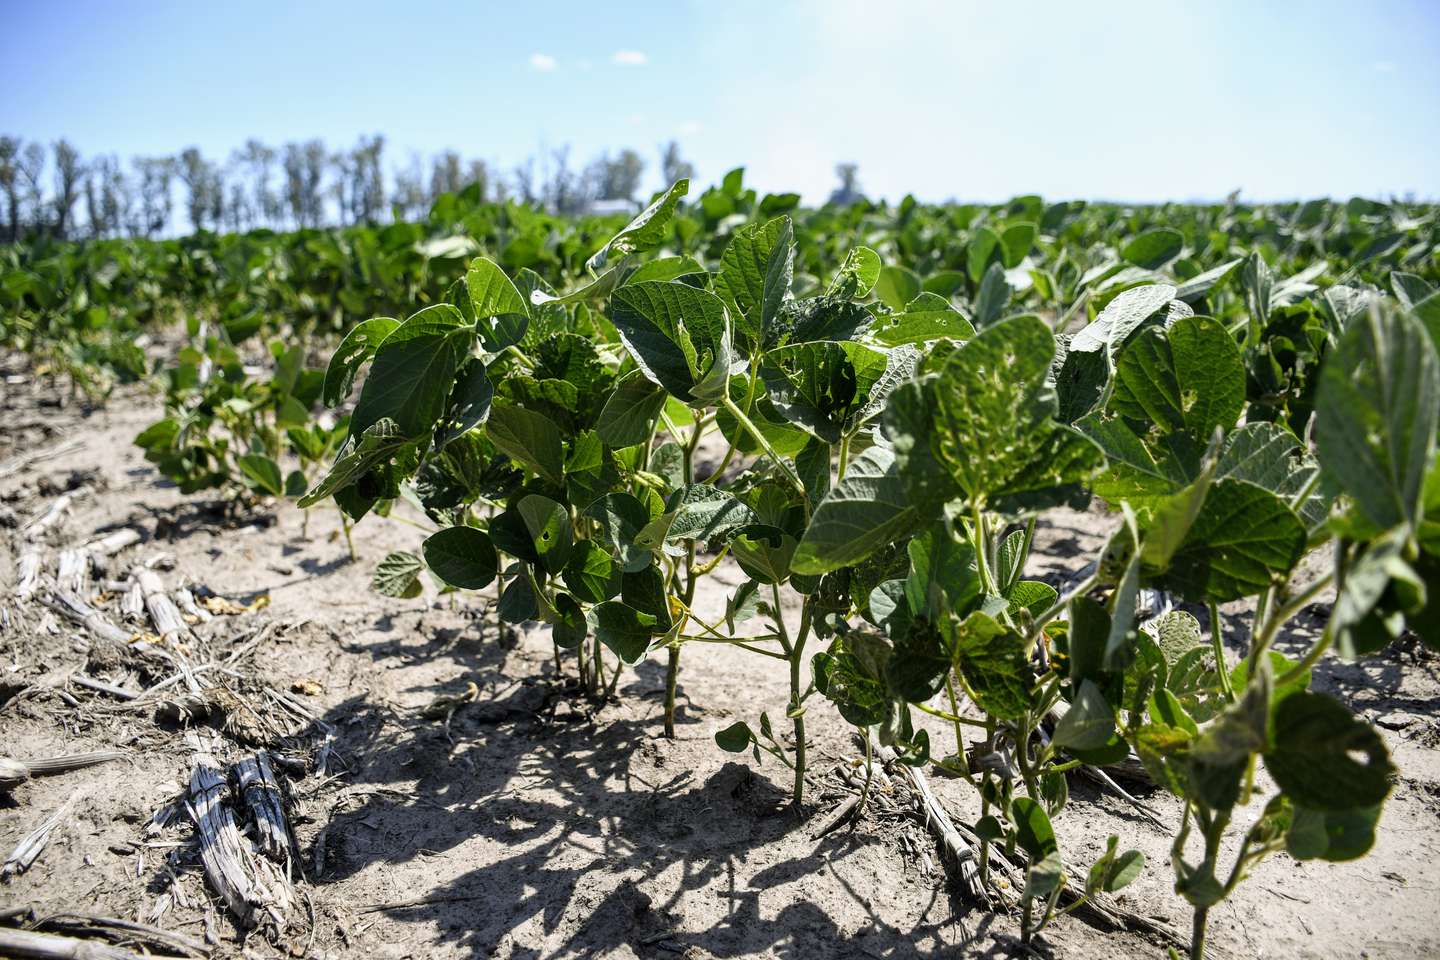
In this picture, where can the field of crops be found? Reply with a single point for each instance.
(739, 579)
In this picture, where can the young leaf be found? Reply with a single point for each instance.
(755, 274)
(679, 337)
(398, 575)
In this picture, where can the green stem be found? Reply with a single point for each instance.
(1197, 933)
(843, 458)
(982, 562)
(1276, 619)
(672, 677)
(1217, 642)
(750, 428)
(349, 543)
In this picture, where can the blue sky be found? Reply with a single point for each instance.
(1130, 101)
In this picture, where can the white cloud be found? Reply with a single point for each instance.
(1383, 66)
(543, 62)
(689, 127)
(630, 58)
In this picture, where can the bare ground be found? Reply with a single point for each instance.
(532, 824)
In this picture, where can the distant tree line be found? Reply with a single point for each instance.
(55, 192)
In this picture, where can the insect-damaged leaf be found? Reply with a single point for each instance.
(821, 386)
(991, 420)
(354, 352)
(1324, 758)
(398, 575)
(994, 663)
(1188, 377)
(705, 514)
(377, 446)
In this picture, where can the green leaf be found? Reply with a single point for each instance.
(755, 274)
(994, 664)
(625, 630)
(1334, 835)
(1015, 243)
(413, 372)
(1376, 412)
(1153, 249)
(1089, 724)
(645, 231)
(1114, 872)
(1189, 377)
(263, 473)
(528, 438)
(462, 557)
(897, 286)
(706, 514)
(1324, 758)
(398, 575)
(1033, 832)
(979, 252)
(549, 525)
(1122, 316)
(678, 335)
(518, 602)
(735, 738)
(629, 414)
(927, 317)
(379, 444)
(763, 552)
(571, 628)
(822, 385)
(862, 513)
(666, 268)
(1241, 539)
(591, 573)
(622, 519)
(354, 352)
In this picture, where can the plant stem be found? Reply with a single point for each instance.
(672, 677)
(349, 543)
(1217, 642)
(1197, 933)
(754, 431)
(982, 562)
(843, 459)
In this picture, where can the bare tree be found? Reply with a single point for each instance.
(30, 168)
(68, 174)
(617, 179)
(10, 183)
(205, 192)
(107, 197)
(410, 199)
(672, 166)
(304, 171)
(156, 175)
(258, 160)
(849, 190)
(446, 175)
(525, 182)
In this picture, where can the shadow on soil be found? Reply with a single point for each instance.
(571, 811)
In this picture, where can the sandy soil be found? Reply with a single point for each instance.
(531, 825)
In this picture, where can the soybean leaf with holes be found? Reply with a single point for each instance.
(993, 661)
(927, 317)
(706, 514)
(821, 386)
(381, 443)
(1187, 377)
(1324, 758)
(354, 352)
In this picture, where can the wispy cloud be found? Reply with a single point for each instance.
(630, 58)
(689, 127)
(1383, 66)
(543, 62)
